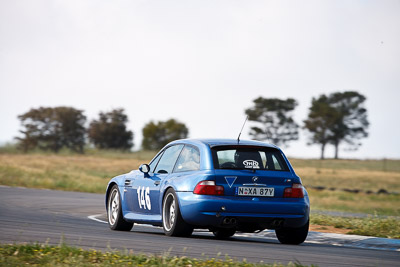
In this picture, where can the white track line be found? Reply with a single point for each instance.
(93, 217)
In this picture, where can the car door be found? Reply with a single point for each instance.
(132, 192)
(146, 187)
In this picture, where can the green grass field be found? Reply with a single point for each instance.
(91, 172)
(63, 255)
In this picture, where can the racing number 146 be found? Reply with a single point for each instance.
(144, 197)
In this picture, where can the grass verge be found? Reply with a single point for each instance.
(370, 226)
(373, 204)
(63, 255)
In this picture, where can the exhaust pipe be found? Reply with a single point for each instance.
(277, 223)
(228, 220)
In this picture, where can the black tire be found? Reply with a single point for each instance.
(114, 212)
(173, 223)
(292, 236)
(224, 233)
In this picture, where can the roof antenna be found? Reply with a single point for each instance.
(238, 139)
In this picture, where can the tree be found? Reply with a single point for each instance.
(351, 122)
(52, 129)
(157, 135)
(337, 118)
(109, 131)
(320, 122)
(275, 120)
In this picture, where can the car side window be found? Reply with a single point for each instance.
(154, 162)
(276, 164)
(168, 159)
(189, 160)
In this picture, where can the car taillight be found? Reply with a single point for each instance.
(208, 188)
(296, 191)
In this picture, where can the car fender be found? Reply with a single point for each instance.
(118, 180)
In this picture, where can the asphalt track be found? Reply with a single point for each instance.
(46, 216)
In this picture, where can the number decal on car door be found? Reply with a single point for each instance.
(144, 197)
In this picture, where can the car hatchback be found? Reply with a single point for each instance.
(221, 185)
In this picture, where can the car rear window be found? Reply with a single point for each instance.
(248, 157)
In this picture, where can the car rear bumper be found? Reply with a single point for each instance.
(243, 212)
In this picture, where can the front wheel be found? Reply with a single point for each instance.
(293, 236)
(173, 223)
(114, 212)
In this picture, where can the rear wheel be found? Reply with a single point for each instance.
(293, 236)
(114, 212)
(224, 233)
(173, 223)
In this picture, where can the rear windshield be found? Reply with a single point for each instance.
(245, 157)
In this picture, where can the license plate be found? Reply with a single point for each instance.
(255, 191)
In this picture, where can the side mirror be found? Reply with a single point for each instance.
(145, 168)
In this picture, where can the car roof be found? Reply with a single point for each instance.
(204, 145)
(224, 142)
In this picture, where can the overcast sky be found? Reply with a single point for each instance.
(201, 62)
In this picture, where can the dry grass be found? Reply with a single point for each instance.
(364, 175)
(384, 165)
(350, 174)
(370, 226)
(355, 203)
(350, 179)
(74, 173)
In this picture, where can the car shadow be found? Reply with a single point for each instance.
(208, 236)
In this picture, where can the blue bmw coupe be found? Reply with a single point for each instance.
(217, 184)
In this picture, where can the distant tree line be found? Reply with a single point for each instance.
(109, 131)
(334, 119)
(53, 129)
(157, 135)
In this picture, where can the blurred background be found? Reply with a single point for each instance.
(202, 63)
(92, 89)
